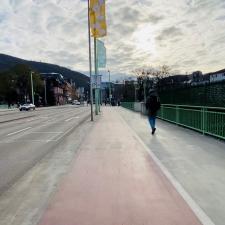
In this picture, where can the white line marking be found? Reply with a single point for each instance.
(72, 118)
(19, 131)
(66, 132)
(45, 132)
(34, 140)
(204, 219)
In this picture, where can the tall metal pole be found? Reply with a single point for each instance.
(32, 88)
(135, 94)
(45, 93)
(96, 74)
(109, 88)
(90, 65)
(144, 91)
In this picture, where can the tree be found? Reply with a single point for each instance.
(151, 78)
(15, 84)
(8, 92)
(145, 81)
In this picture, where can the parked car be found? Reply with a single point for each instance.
(26, 107)
(76, 102)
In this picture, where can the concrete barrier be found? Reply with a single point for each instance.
(137, 106)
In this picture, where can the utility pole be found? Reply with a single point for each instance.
(32, 88)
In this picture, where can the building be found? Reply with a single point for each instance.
(58, 90)
(217, 76)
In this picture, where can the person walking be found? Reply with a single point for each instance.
(152, 106)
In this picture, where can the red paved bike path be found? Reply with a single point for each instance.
(114, 181)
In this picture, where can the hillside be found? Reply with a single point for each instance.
(81, 80)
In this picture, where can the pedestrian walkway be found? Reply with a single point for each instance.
(196, 161)
(115, 181)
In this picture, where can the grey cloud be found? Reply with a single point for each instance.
(155, 19)
(219, 41)
(200, 5)
(135, 16)
(201, 52)
(214, 61)
(124, 29)
(190, 25)
(190, 3)
(189, 62)
(176, 40)
(64, 57)
(169, 33)
(220, 18)
(163, 45)
(128, 14)
(54, 21)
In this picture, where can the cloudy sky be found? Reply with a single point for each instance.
(186, 35)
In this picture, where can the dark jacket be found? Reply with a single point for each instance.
(152, 105)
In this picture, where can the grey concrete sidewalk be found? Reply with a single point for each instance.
(196, 161)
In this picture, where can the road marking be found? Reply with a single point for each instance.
(77, 117)
(19, 131)
(40, 132)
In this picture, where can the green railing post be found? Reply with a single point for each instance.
(203, 120)
(162, 112)
(177, 114)
(206, 121)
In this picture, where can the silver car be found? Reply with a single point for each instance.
(26, 107)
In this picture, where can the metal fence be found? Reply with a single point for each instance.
(207, 120)
(211, 95)
(128, 105)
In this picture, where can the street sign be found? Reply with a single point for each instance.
(96, 81)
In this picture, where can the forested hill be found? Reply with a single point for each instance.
(81, 80)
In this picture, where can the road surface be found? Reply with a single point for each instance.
(26, 137)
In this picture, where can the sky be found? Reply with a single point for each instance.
(186, 35)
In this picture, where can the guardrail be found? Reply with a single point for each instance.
(207, 120)
(128, 105)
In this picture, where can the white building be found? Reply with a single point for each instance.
(217, 76)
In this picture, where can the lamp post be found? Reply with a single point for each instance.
(45, 93)
(144, 84)
(109, 88)
(135, 93)
(32, 88)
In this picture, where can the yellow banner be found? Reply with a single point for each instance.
(97, 18)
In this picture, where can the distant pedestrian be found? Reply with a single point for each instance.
(152, 106)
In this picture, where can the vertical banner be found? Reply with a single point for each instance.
(97, 18)
(101, 54)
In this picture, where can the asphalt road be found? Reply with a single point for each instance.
(26, 137)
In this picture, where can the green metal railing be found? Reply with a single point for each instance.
(207, 120)
(128, 105)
